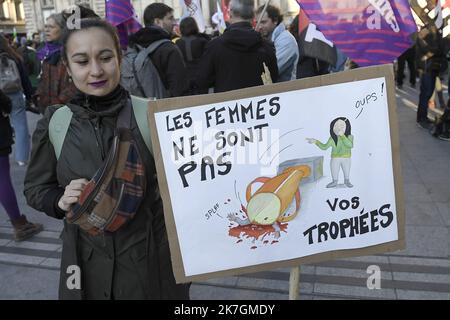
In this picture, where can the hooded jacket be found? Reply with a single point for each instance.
(167, 59)
(235, 60)
(131, 263)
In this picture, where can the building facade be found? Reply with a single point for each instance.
(12, 17)
(36, 11)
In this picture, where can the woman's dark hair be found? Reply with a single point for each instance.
(188, 27)
(86, 24)
(348, 128)
(5, 47)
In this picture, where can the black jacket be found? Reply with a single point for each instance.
(167, 59)
(430, 53)
(132, 263)
(235, 60)
(6, 136)
(192, 48)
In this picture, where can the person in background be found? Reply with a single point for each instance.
(167, 58)
(240, 58)
(430, 55)
(55, 86)
(409, 56)
(272, 28)
(36, 41)
(15, 84)
(307, 66)
(22, 228)
(192, 45)
(31, 62)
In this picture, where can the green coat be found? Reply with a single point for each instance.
(132, 263)
(343, 149)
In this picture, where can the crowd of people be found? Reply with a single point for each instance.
(428, 60)
(78, 71)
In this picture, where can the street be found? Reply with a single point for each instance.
(30, 269)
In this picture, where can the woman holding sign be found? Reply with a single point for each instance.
(341, 143)
(115, 242)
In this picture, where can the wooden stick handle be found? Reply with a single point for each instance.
(294, 280)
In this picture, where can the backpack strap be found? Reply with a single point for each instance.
(145, 52)
(188, 46)
(58, 126)
(140, 106)
(139, 60)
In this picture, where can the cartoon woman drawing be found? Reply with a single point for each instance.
(341, 143)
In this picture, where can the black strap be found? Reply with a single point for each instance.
(124, 117)
(188, 47)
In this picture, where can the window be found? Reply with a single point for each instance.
(4, 10)
(48, 3)
(19, 10)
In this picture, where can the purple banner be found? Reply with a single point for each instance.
(120, 13)
(370, 32)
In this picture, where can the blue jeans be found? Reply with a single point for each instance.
(427, 85)
(20, 125)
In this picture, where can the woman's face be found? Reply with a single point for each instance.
(93, 61)
(52, 30)
(339, 128)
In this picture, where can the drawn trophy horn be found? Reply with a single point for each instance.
(269, 203)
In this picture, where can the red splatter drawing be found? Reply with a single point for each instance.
(269, 208)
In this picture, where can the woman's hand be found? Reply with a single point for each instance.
(311, 140)
(72, 194)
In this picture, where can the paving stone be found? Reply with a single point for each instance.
(353, 291)
(430, 278)
(444, 210)
(200, 292)
(351, 273)
(420, 261)
(228, 281)
(426, 242)
(422, 295)
(416, 192)
(24, 283)
(266, 284)
(422, 214)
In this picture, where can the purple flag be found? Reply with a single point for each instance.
(120, 13)
(370, 32)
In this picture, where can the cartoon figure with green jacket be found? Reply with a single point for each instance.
(341, 143)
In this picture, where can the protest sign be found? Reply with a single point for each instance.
(280, 175)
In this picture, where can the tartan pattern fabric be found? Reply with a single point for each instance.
(114, 194)
(54, 86)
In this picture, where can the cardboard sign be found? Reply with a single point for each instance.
(280, 175)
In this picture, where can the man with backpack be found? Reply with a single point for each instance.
(240, 58)
(31, 62)
(153, 66)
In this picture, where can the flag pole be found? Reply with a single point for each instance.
(262, 13)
